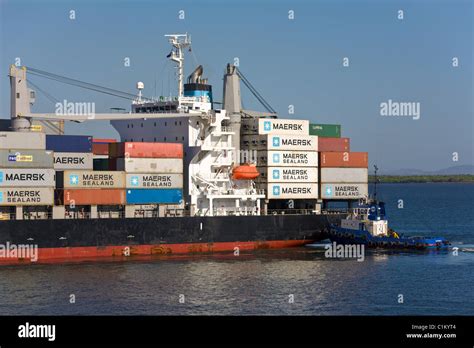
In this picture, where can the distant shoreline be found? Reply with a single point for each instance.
(466, 178)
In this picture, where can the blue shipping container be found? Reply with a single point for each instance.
(69, 143)
(154, 196)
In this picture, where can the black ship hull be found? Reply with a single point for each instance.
(82, 239)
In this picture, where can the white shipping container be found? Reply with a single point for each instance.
(282, 126)
(349, 175)
(26, 196)
(93, 179)
(280, 142)
(22, 140)
(150, 165)
(287, 158)
(288, 174)
(154, 181)
(27, 177)
(290, 191)
(344, 191)
(73, 160)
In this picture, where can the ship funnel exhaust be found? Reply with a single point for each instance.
(195, 76)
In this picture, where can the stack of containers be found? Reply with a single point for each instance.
(343, 174)
(153, 171)
(27, 177)
(77, 184)
(100, 149)
(287, 157)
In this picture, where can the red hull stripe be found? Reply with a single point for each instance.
(123, 252)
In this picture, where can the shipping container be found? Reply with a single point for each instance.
(25, 196)
(72, 160)
(287, 158)
(280, 142)
(157, 196)
(91, 179)
(152, 180)
(150, 165)
(69, 143)
(288, 174)
(344, 159)
(22, 140)
(349, 175)
(26, 159)
(290, 190)
(100, 148)
(146, 150)
(283, 127)
(333, 144)
(92, 197)
(344, 191)
(325, 130)
(101, 164)
(27, 177)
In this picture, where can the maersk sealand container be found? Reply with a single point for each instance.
(69, 143)
(158, 196)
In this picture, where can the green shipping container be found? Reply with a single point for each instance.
(325, 130)
(101, 164)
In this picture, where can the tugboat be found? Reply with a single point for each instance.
(367, 224)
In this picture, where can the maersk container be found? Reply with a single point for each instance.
(146, 150)
(154, 196)
(150, 165)
(288, 174)
(69, 143)
(154, 181)
(344, 159)
(333, 144)
(287, 158)
(92, 197)
(72, 160)
(290, 191)
(92, 179)
(344, 191)
(22, 140)
(27, 177)
(280, 142)
(282, 126)
(348, 175)
(325, 130)
(25, 196)
(23, 158)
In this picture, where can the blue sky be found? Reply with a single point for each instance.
(291, 62)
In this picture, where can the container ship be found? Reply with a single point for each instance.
(185, 177)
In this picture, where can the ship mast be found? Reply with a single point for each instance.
(179, 42)
(375, 181)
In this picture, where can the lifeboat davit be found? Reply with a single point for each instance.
(245, 172)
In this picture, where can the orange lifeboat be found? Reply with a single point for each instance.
(245, 172)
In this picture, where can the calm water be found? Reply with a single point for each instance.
(431, 283)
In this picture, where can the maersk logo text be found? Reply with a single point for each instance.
(276, 141)
(276, 190)
(73, 179)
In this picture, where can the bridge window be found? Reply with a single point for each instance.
(154, 139)
(142, 125)
(166, 123)
(155, 124)
(164, 138)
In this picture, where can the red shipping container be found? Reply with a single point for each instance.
(333, 144)
(100, 149)
(146, 150)
(104, 141)
(344, 159)
(94, 197)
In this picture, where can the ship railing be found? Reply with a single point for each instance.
(291, 212)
